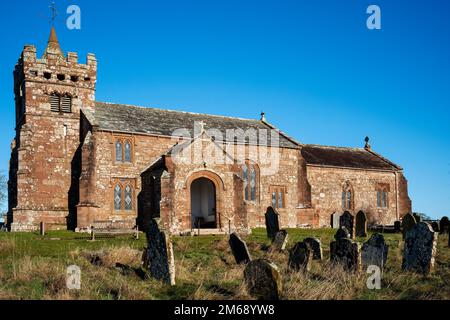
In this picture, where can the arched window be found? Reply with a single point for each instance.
(128, 198)
(117, 197)
(347, 197)
(127, 151)
(119, 151)
(250, 176)
(382, 196)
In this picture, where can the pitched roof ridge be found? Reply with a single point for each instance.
(178, 111)
(334, 147)
(383, 158)
(294, 141)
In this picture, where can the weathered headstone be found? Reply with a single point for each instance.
(397, 226)
(300, 257)
(435, 226)
(408, 222)
(160, 259)
(346, 253)
(374, 252)
(263, 280)
(280, 241)
(361, 224)
(272, 224)
(335, 220)
(417, 217)
(347, 221)
(444, 225)
(42, 228)
(239, 249)
(316, 247)
(420, 249)
(342, 233)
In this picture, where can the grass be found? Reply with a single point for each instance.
(34, 267)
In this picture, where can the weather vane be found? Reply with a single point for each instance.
(54, 12)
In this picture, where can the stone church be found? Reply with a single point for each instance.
(76, 162)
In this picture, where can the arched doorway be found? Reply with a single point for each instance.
(203, 204)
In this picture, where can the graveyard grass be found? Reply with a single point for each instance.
(34, 267)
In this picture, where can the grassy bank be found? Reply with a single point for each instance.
(33, 267)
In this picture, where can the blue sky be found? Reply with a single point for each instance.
(312, 66)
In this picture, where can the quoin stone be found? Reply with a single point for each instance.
(239, 249)
(160, 258)
(348, 221)
(408, 222)
(346, 253)
(272, 223)
(263, 280)
(316, 247)
(420, 249)
(374, 252)
(361, 224)
(300, 257)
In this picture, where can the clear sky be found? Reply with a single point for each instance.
(312, 66)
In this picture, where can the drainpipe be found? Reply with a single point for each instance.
(396, 196)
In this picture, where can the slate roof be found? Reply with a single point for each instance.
(133, 119)
(346, 157)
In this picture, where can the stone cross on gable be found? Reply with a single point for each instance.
(202, 126)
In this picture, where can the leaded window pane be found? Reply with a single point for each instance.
(245, 177)
(344, 203)
(117, 197)
(384, 199)
(118, 151)
(253, 184)
(274, 199)
(280, 199)
(128, 198)
(127, 152)
(349, 200)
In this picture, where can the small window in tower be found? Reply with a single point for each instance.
(87, 79)
(74, 78)
(33, 73)
(66, 104)
(61, 77)
(47, 75)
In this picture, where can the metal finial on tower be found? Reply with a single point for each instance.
(54, 13)
(367, 146)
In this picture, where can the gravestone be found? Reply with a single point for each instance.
(417, 217)
(239, 249)
(397, 226)
(346, 253)
(300, 257)
(435, 226)
(335, 220)
(374, 252)
(272, 224)
(420, 249)
(42, 228)
(361, 224)
(159, 256)
(263, 280)
(280, 241)
(342, 233)
(347, 221)
(408, 222)
(316, 247)
(444, 225)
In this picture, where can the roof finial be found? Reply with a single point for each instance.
(54, 13)
(263, 116)
(367, 146)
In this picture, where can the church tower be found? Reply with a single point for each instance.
(50, 95)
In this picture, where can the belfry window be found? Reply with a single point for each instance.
(61, 104)
(250, 176)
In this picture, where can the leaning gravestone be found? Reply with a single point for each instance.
(346, 253)
(280, 241)
(361, 224)
(159, 256)
(263, 280)
(316, 247)
(347, 221)
(408, 222)
(239, 249)
(335, 220)
(272, 224)
(444, 225)
(417, 217)
(374, 252)
(342, 233)
(420, 249)
(435, 226)
(300, 257)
